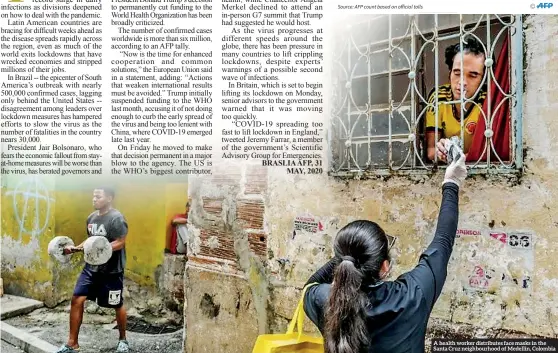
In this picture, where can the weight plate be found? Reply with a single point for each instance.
(56, 248)
(97, 250)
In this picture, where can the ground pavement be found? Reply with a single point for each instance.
(97, 334)
(8, 348)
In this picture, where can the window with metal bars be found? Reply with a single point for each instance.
(390, 83)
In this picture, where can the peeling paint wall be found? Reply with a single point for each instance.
(478, 290)
(227, 246)
(28, 218)
(497, 286)
(37, 209)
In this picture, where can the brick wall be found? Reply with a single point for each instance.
(225, 281)
(225, 207)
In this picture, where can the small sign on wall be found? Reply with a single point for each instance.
(514, 240)
(520, 241)
(308, 224)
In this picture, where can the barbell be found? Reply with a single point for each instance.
(96, 249)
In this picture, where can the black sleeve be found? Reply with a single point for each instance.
(315, 301)
(324, 274)
(119, 227)
(431, 271)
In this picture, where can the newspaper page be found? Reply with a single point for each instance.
(179, 170)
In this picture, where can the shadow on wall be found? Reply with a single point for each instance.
(36, 209)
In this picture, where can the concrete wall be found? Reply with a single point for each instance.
(247, 261)
(226, 280)
(37, 209)
(28, 218)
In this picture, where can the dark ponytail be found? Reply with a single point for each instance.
(360, 247)
(345, 320)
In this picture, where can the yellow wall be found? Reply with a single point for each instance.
(27, 212)
(26, 267)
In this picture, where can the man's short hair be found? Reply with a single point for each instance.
(107, 190)
(470, 45)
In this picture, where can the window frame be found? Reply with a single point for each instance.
(482, 168)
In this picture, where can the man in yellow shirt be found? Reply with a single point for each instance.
(449, 114)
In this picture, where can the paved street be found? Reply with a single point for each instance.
(97, 334)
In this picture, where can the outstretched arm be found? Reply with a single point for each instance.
(431, 271)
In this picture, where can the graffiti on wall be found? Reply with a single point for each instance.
(517, 256)
(467, 233)
(31, 206)
(523, 282)
(480, 278)
(514, 240)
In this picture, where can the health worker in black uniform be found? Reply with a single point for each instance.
(356, 310)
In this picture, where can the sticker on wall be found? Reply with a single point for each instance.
(520, 241)
(307, 224)
(514, 240)
(467, 233)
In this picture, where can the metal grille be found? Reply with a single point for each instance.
(383, 69)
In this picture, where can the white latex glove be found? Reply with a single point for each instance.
(456, 171)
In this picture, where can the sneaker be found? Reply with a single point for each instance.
(67, 349)
(122, 347)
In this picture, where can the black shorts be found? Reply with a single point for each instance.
(104, 288)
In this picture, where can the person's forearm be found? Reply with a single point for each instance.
(118, 244)
(324, 274)
(179, 221)
(448, 218)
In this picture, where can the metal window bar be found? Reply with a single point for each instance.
(436, 84)
(350, 159)
(413, 65)
(488, 86)
(461, 100)
(517, 88)
(390, 93)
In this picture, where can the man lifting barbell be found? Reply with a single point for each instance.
(102, 278)
(97, 249)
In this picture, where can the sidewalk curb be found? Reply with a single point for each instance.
(20, 311)
(14, 306)
(25, 341)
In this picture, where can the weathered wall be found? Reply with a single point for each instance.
(492, 288)
(226, 261)
(37, 209)
(28, 220)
